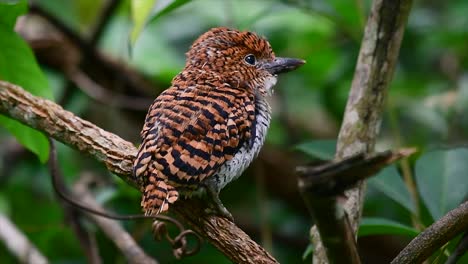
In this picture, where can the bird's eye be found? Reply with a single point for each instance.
(250, 59)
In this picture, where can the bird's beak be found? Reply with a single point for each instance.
(281, 65)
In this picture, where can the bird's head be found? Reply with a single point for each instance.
(242, 59)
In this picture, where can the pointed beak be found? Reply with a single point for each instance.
(281, 65)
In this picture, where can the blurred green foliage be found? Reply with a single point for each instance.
(18, 65)
(426, 108)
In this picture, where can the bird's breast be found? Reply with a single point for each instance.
(233, 168)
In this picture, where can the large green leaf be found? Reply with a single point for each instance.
(168, 6)
(390, 183)
(321, 149)
(381, 226)
(10, 10)
(141, 9)
(442, 179)
(18, 65)
(146, 10)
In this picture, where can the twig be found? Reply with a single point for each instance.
(118, 155)
(435, 236)
(116, 233)
(18, 243)
(87, 240)
(73, 215)
(374, 70)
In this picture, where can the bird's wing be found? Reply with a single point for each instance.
(189, 133)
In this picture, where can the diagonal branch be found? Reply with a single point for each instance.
(118, 155)
(18, 243)
(113, 229)
(435, 236)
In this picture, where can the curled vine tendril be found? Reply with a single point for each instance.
(180, 246)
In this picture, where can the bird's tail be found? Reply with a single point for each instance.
(157, 196)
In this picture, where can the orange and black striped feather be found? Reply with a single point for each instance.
(189, 133)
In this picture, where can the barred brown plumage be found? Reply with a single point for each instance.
(209, 125)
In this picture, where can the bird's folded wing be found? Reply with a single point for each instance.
(189, 133)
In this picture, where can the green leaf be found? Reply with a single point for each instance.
(308, 251)
(141, 9)
(18, 65)
(10, 10)
(381, 226)
(4, 205)
(162, 10)
(442, 179)
(391, 184)
(321, 149)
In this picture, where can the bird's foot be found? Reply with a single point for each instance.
(219, 210)
(216, 206)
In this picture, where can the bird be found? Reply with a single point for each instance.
(205, 129)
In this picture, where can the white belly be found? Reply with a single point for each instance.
(233, 168)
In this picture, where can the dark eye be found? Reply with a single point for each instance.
(250, 59)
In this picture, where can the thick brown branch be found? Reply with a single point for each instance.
(50, 118)
(374, 70)
(435, 236)
(118, 155)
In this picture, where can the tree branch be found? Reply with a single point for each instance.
(322, 187)
(18, 243)
(118, 155)
(435, 236)
(361, 123)
(123, 240)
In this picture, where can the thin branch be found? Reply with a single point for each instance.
(87, 240)
(374, 70)
(435, 236)
(118, 155)
(113, 229)
(18, 243)
(179, 242)
(72, 215)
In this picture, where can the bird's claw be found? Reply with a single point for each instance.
(220, 211)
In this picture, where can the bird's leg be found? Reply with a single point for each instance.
(218, 208)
